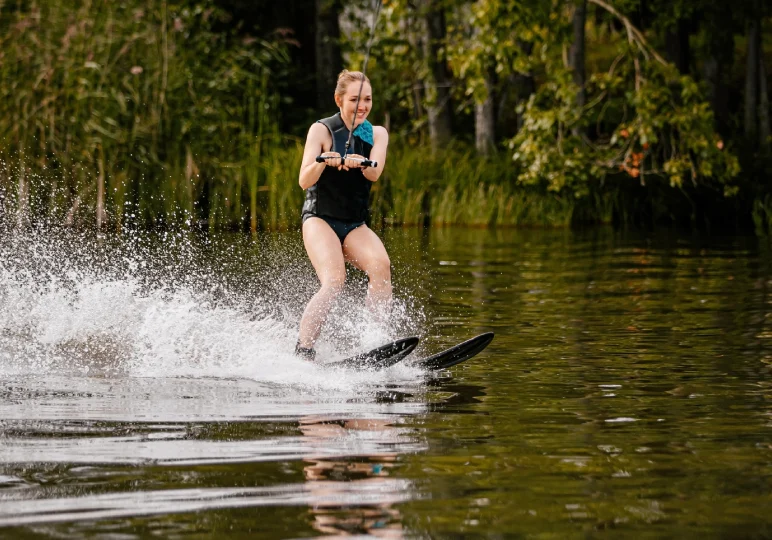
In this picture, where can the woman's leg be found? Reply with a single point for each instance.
(324, 250)
(364, 249)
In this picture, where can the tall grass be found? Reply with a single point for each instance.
(261, 192)
(137, 105)
(459, 187)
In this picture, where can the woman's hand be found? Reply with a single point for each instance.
(333, 160)
(353, 161)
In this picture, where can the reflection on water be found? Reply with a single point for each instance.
(94, 458)
(147, 387)
(324, 477)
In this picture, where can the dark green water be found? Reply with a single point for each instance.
(627, 394)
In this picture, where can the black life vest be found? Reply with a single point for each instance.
(343, 195)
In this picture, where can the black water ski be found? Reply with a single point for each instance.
(380, 358)
(455, 355)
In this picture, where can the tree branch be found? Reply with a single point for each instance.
(633, 33)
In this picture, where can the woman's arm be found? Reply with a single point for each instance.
(378, 153)
(318, 142)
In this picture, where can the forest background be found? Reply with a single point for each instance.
(505, 113)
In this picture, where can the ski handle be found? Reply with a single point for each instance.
(364, 162)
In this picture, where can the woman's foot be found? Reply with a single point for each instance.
(305, 353)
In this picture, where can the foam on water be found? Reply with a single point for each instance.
(173, 305)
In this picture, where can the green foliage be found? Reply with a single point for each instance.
(642, 119)
(164, 110)
(463, 188)
(491, 37)
(145, 96)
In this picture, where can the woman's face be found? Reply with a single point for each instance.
(348, 101)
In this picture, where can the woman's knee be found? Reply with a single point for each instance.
(379, 268)
(333, 285)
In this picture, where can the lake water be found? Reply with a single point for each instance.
(148, 387)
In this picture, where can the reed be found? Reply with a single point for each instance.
(260, 192)
(140, 110)
(761, 213)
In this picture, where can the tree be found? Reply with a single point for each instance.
(329, 61)
(490, 48)
(576, 55)
(718, 23)
(438, 81)
(752, 72)
(650, 120)
(485, 120)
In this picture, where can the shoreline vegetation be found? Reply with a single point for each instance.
(415, 190)
(160, 113)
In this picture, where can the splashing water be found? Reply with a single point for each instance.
(174, 304)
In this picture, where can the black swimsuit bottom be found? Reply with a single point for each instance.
(339, 227)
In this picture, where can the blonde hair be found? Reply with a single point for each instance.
(345, 78)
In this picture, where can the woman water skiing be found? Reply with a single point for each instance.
(337, 205)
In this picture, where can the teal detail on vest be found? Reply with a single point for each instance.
(365, 132)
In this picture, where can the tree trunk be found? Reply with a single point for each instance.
(677, 45)
(764, 127)
(714, 70)
(329, 61)
(576, 57)
(719, 59)
(485, 121)
(576, 54)
(752, 80)
(438, 84)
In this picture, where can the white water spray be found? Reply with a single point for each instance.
(172, 304)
